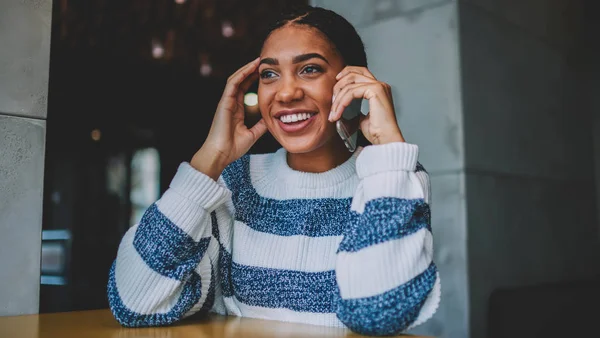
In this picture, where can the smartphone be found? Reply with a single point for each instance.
(347, 126)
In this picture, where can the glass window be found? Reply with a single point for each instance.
(145, 181)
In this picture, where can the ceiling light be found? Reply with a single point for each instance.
(227, 29)
(96, 135)
(251, 99)
(157, 49)
(205, 69)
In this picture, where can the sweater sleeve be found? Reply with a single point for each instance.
(387, 280)
(166, 265)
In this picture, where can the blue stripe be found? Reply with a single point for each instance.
(215, 226)
(190, 295)
(386, 219)
(273, 288)
(225, 261)
(391, 312)
(308, 217)
(166, 248)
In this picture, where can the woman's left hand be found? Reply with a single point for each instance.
(380, 125)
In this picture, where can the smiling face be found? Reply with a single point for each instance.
(297, 75)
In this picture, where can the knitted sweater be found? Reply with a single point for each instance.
(350, 247)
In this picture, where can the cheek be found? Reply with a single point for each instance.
(322, 96)
(324, 93)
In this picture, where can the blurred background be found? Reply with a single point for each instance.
(132, 92)
(100, 100)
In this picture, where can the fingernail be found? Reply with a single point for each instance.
(330, 116)
(333, 98)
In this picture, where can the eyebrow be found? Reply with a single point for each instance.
(296, 59)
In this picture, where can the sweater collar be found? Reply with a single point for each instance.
(301, 179)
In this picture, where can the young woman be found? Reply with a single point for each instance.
(311, 233)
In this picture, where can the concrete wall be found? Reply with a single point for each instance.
(592, 26)
(413, 46)
(24, 61)
(528, 142)
(505, 133)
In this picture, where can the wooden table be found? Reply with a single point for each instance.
(100, 323)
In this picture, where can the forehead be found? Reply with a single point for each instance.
(292, 40)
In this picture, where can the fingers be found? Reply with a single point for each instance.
(350, 78)
(343, 100)
(258, 130)
(237, 78)
(354, 69)
(369, 91)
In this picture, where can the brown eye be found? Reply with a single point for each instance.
(267, 74)
(312, 69)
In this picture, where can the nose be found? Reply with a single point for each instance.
(289, 90)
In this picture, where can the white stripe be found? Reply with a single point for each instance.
(398, 184)
(240, 309)
(425, 185)
(298, 253)
(261, 167)
(187, 215)
(141, 289)
(431, 304)
(232, 306)
(212, 251)
(219, 305)
(358, 201)
(383, 267)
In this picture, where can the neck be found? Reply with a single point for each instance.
(330, 155)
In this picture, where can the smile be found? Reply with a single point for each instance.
(294, 121)
(291, 118)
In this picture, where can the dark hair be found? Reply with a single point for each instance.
(336, 28)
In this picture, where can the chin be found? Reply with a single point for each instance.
(302, 145)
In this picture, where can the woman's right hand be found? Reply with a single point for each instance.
(229, 138)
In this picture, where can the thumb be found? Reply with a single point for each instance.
(363, 123)
(258, 130)
(364, 126)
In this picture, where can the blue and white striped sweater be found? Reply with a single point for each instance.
(350, 247)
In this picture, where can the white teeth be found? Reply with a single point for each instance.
(295, 117)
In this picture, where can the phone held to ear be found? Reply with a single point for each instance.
(347, 126)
